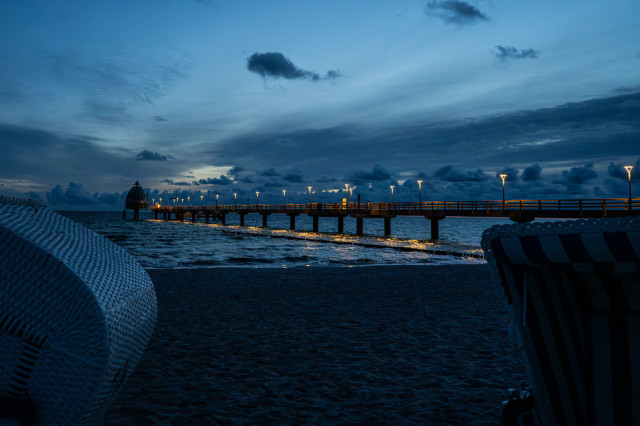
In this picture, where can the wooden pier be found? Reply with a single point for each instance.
(516, 210)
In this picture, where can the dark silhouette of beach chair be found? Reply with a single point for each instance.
(76, 313)
(574, 287)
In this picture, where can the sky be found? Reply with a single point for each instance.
(198, 98)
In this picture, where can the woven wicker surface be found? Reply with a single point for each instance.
(76, 312)
(574, 289)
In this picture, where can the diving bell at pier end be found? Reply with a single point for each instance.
(136, 200)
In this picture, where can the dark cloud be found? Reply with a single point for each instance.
(222, 180)
(531, 173)
(509, 52)
(159, 118)
(293, 178)
(362, 177)
(577, 175)
(235, 171)
(449, 174)
(270, 172)
(147, 155)
(455, 12)
(276, 65)
(76, 196)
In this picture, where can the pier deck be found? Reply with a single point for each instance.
(516, 210)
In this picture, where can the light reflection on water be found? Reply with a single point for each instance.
(163, 244)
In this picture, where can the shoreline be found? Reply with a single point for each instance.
(382, 344)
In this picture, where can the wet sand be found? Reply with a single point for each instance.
(368, 345)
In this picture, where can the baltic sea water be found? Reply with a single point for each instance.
(171, 244)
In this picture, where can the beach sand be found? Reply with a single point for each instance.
(367, 345)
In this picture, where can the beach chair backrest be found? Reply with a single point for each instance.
(574, 287)
(76, 313)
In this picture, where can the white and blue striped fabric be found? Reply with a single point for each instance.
(574, 287)
(76, 313)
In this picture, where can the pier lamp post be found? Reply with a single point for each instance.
(182, 201)
(153, 201)
(257, 195)
(420, 191)
(309, 187)
(346, 185)
(217, 195)
(284, 195)
(160, 201)
(503, 176)
(391, 186)
(351, 194)
(188, 201)
(235, 199)
(201, 198)
(628, 169)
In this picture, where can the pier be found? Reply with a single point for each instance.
(520, 211)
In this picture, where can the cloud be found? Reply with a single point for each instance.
(293, 178)
(577, 175)
(531, 173)
(362, 177)
(147, 155)
(222, 180)
(76, 196)
(159, 118)
(235, 171)
(276, 65)
(509, 52)
(455, 12)
(270, 172)
(174, 183)
(448, 174)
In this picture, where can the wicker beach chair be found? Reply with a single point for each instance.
(574, 287)
(76, 313)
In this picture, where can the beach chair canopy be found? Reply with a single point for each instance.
(574, 288)
(76, 313)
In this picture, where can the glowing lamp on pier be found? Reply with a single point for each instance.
(257, 195)
(188, 200)
(420, 190)
(284, 194)
(217, 195)
(503, 176)
(201, 198)
(391, 186)
(309, 188)
(628, 169)
(235, 199)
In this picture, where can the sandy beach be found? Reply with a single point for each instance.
(367, 345)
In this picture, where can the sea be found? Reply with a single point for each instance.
(174, 244)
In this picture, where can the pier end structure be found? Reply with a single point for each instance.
(136, 200)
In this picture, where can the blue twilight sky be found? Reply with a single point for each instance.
(216, 97)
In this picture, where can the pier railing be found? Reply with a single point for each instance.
(538, 208)
(516, 210)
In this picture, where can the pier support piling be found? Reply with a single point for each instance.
(359, 225)
(223, 219)
(315, 223)
(435, 231)
(193, 217)
(340, 224)
(387, 226)
(264, 219)
(241, 219)
(292, 222)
